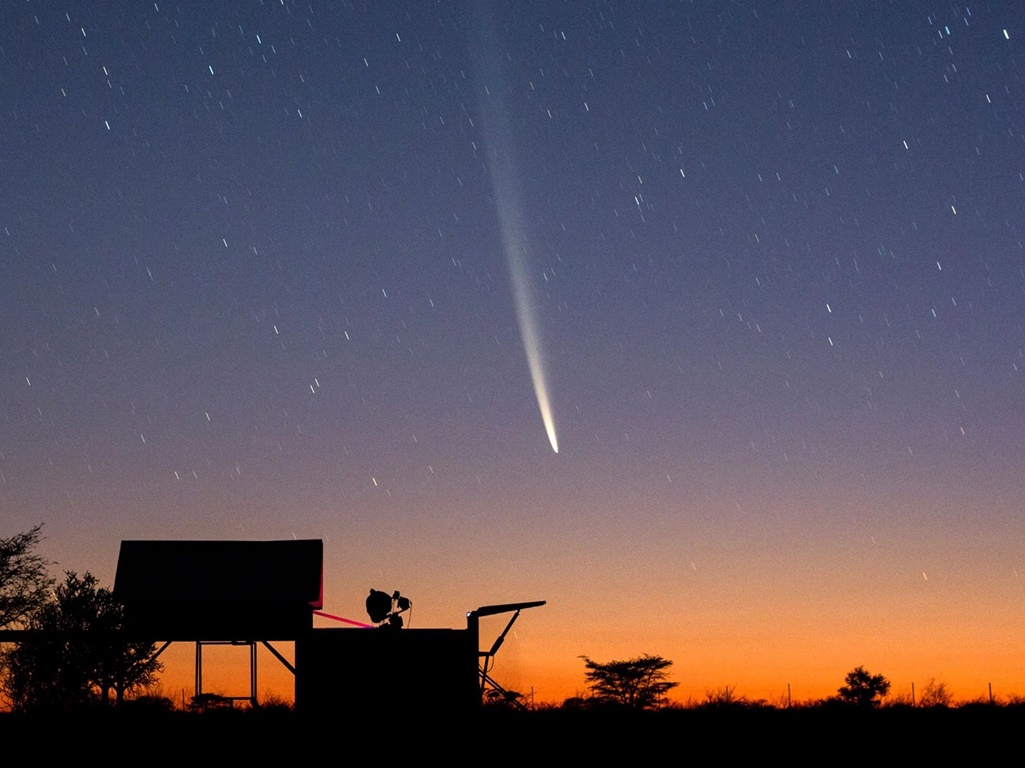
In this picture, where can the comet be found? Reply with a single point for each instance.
(505, 183)
(526, 316)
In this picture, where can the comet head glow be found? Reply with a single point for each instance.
(537, 375)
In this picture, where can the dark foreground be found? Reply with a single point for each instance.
(804, 736)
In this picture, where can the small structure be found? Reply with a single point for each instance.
(377, 671)
(220, 593)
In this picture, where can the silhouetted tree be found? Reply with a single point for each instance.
(77, 655)
(24, 583)
(863, 689)
(639, 683)
(936, 694)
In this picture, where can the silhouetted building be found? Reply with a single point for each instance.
(250, 593)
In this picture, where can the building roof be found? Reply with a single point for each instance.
(220, 588)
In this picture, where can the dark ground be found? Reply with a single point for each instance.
(805, 736)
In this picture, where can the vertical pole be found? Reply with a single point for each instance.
(199, 669)
(473, 630)
(991, 693)
(912, 694)
(252, 673)
(788, 696)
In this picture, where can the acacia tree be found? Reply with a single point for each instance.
(639, 683)
(77, 654)
(24, 583)
(863, 689)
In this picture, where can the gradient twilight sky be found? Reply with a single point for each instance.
(254, 285)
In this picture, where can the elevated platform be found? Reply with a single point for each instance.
(220, 590)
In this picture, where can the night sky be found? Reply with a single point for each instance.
(257, 281)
